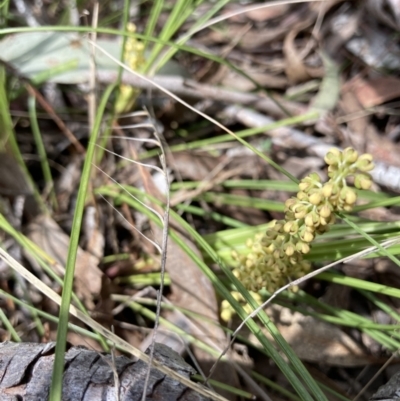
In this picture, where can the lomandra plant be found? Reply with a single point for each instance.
(277, 256)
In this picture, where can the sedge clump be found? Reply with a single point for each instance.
(277, 255)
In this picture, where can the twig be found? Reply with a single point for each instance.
(289, 137)
(190, 88)
(60, 123)
(164, 245)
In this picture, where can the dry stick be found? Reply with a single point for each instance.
(193, 89)
(64, 129)
(375, 376)
(300, 280)
(43, 288)
(164, 245)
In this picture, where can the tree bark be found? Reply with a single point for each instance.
(26, 369)
(389, 391)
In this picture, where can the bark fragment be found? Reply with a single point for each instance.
(26, 369)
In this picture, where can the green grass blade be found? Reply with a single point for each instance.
(203, 19)
(153, 18)
(384, 251)
(169, 29)
(228, 221)
(41, 150)
(9, 327)
(380, 203)
(239, 200)
(360, 284)
(56, 386)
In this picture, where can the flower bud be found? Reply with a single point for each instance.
(308, 235)
(362, 181)
(272, 233)
(350, 155)
(289, 249)
(302, 247)
(304, 186)
(325, 211)
(301, 213)
(311, 181)
(312, 219)
(323, 221)
(289, 215)
(249, 264)
(302, 196)
(256, 247)
(290, 203)
(333, 156)
(364, 162)
(270, 248)
(350, 196)
(327, 190)
(287, 226)
(315, 198)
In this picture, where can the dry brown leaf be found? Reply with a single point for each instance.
(316, 341)
(48, 235)
(295, 69)
(373, 92)
(363, 135)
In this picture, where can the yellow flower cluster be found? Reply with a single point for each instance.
(277, 256)
(134, 59)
